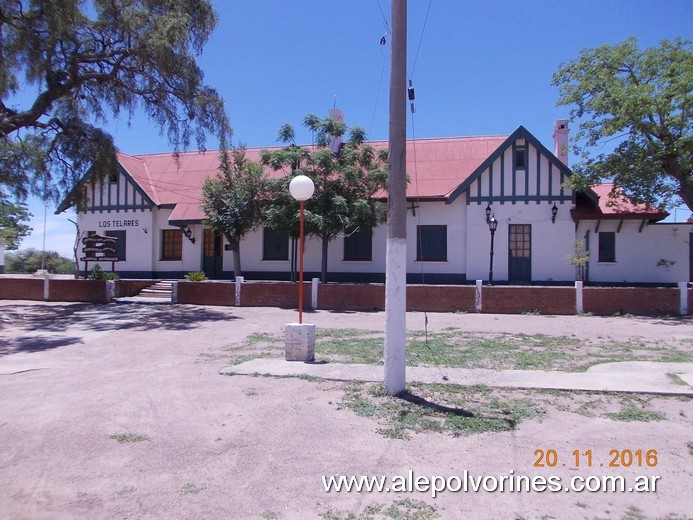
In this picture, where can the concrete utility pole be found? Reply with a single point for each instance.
(396, 261)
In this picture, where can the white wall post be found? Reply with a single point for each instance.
(683, 306)
(174, 292)
(110, 290)
(46, 286)
(314, 293)
(479, 289)
(239, 285)
(579, 307)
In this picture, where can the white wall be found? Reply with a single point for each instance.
(551, 242)
(140, 231)
(658, 254)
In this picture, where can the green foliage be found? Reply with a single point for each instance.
(87, 62)
(29, 261)
(99, 274)
(580, 259)
(641, 98)
(233, 200)
(196, 276)
(13, 218)
(345, 183)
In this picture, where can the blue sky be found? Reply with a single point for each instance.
(482, 68)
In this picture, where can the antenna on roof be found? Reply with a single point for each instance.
(334, 102)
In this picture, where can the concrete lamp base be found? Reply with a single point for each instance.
(299, 342)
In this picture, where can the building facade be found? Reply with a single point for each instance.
(152, 206)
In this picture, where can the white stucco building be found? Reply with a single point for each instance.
(152, 205)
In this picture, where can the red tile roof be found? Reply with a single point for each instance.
(616, 207)
(435, 168)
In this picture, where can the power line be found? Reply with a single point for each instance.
(423, 29)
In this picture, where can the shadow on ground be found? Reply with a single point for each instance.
(30, 344)
(105, 317)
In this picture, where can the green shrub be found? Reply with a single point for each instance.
(196, 276)
(99, 274)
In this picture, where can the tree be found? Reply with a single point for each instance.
(345, 182)
(85, 62)
(13, 218)
(643, 98)
(30, 260)
(233, 200)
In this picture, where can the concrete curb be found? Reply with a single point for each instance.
(647, 380)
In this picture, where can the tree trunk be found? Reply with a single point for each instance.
(325, 246)
(673, 168)
(235, 246)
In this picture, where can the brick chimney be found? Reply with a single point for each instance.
(560, 140)
(336, 142)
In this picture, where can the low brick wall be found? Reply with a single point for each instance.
(507, 299)
(351, 297)
(633, 300)
(92, 291)
(207, 293)
(21, 289)
(274, 294)
(502, 299)
(441, 298)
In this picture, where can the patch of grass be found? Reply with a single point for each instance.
(531, 312)
(124, 438)
(308, 377)
(690, 447)
(406, 509)
(126, 490)
(676, 379)
(438, 408)
(269, 515)
(633, 414)
(191, 489)
(634, 513)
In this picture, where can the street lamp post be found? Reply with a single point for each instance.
(301, 189)
(492, 226)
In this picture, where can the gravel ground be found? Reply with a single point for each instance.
(119, 411)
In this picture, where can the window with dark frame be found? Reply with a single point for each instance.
(607, 246)
(275, 245)
(358, 246)
(431, 243)
(520, 158)
(120, 235)
(171, 244)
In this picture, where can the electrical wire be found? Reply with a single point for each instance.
(417, 203)
(418, 48)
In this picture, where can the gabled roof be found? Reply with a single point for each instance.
(435, 168)
(520, 133)
(438, 169)
(617, 207)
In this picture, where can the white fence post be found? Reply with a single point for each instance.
(683, 305)
(314, 293)
(479, 289)
(579, 307)
(239, 284)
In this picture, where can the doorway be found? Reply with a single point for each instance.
(212, 254)
(520, 253)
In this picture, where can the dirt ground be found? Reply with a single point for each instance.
(119, 411)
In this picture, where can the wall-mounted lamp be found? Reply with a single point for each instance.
(145, 230)
(488, 213)
(187, 233)
(554, 212)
